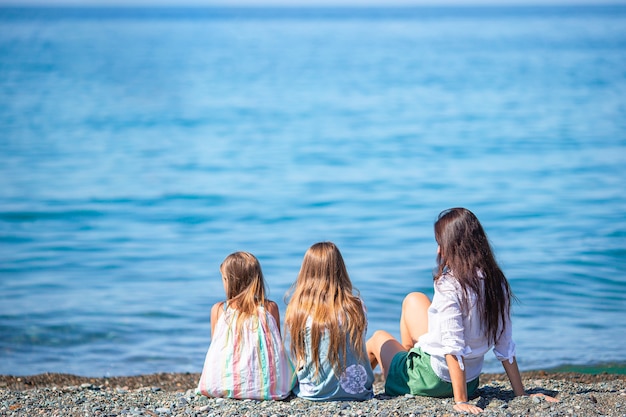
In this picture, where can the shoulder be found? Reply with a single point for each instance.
(447, 282)
(271, 306)
(218, 306)
(448, 286)
(362, 304)
(217, 310)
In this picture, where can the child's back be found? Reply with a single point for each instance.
(327, 325)
(251, 363)
(246, 358)
(354, 383)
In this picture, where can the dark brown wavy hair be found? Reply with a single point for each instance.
(465, 250)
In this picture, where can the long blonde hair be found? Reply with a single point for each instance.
(323, 292)
(245, 286)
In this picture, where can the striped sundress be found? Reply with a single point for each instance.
(252, 364)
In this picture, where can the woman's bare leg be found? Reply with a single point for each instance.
(414, 318)
(381, 348)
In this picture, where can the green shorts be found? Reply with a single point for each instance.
(410, 373)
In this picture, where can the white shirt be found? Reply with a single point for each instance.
(454, 333)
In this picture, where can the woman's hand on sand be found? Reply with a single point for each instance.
(467, 408)
(545, 397)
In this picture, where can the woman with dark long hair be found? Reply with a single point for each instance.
(444, 341)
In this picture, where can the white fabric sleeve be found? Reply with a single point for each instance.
(505, 347)
(450, 317)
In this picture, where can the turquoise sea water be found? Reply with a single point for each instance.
(139, 147)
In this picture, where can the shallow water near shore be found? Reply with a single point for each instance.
(139, 147)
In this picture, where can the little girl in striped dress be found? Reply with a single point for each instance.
(246, 358)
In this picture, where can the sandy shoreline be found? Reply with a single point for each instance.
(173, 394)
(183, 381)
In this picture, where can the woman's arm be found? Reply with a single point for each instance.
(459, 386)
(512, 371)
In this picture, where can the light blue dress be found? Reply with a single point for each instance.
(354, 383)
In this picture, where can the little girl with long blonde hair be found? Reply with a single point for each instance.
(327, 325)
(246, 358)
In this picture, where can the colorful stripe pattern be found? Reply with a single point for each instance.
(250, 365)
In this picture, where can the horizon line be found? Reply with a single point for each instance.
(307, 3)
(348, 5)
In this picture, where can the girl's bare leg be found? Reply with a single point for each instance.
(414, 318)
(381, 348)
